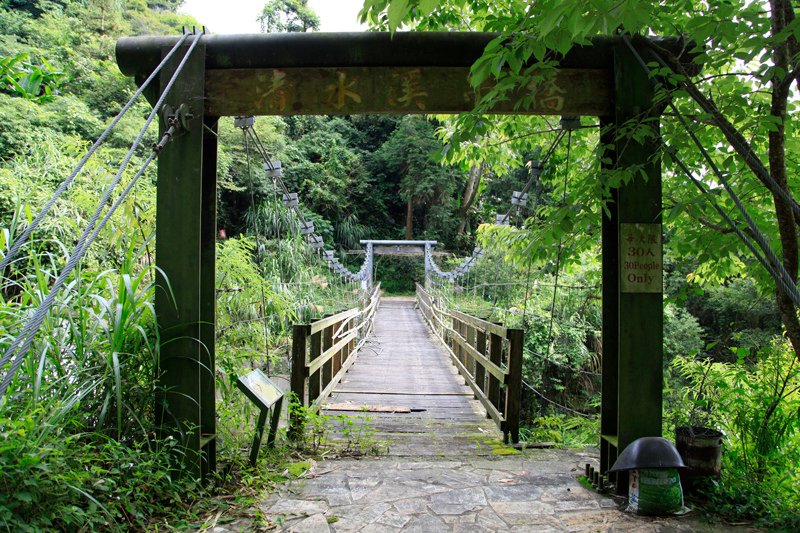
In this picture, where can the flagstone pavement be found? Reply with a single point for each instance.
(534, 491)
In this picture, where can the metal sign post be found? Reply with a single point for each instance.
(265, 394)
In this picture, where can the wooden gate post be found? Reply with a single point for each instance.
(185, 256)
(632, 268)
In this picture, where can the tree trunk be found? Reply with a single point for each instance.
(409, 217)
(470, 195)
(777, 168)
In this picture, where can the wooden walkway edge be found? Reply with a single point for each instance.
(411, 393)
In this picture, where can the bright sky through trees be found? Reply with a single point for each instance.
(239, 16)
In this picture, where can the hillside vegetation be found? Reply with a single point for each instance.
(78, 445)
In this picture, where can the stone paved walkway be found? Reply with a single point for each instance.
(534, 491)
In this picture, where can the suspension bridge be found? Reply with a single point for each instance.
(432, 374)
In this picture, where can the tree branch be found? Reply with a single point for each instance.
(715, 226)
(731, 133)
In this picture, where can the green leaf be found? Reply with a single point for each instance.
(427, 6)
(397, 11)
(26, 497)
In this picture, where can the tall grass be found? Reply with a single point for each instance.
(78, 448)
(77, 445)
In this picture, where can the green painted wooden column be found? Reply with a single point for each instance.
(632, 268)
(185, 256)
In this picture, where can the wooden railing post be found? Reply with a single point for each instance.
(340, 358)
(326, 372)
(299, 380)
(472, 340)
(352, 344)
(516, 338)
(453, 344)
(480, 371)
(496, 357)
(314, 386)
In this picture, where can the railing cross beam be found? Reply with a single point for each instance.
(497, 386)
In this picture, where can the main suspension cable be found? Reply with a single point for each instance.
(556, 142)
(22, 342)
(36, 321)
(477, 253)
(362, 274)
(789, 289)
(777, 270)
(737, 142)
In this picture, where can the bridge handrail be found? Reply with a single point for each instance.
(325, 349)
(486, 354)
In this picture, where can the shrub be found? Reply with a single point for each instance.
(755, 402)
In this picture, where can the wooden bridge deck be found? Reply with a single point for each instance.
(403, 367)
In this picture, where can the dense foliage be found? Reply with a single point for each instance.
(732, 334)
(79, 449)
(77, 442)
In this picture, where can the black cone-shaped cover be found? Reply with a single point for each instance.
(648, 452)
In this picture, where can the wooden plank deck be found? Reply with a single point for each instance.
(403, 365)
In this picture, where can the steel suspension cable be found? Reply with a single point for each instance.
(781, 275)
(558, 255)
(790, 290)
(738, 142)
(38, 317)
(22, 342)
(556, 142)
(265, 156)
(460, 270)
(257, 226)
(23, 238)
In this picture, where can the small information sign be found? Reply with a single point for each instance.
(641, 262)
(265, 394)
(260, 389)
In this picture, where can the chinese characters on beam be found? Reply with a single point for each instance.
(641, 263)
(347, 90)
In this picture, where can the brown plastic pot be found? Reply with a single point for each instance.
(700, 449)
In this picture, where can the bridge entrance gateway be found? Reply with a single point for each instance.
(405, 247)
(288, 74)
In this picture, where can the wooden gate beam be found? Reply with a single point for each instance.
(375, 72)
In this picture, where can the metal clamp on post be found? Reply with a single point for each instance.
(273, 169)
(315, 241)
(180, 116)
(244, 122)
(290, 200)
(519, 198)
(177, 120)
(570, 123)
